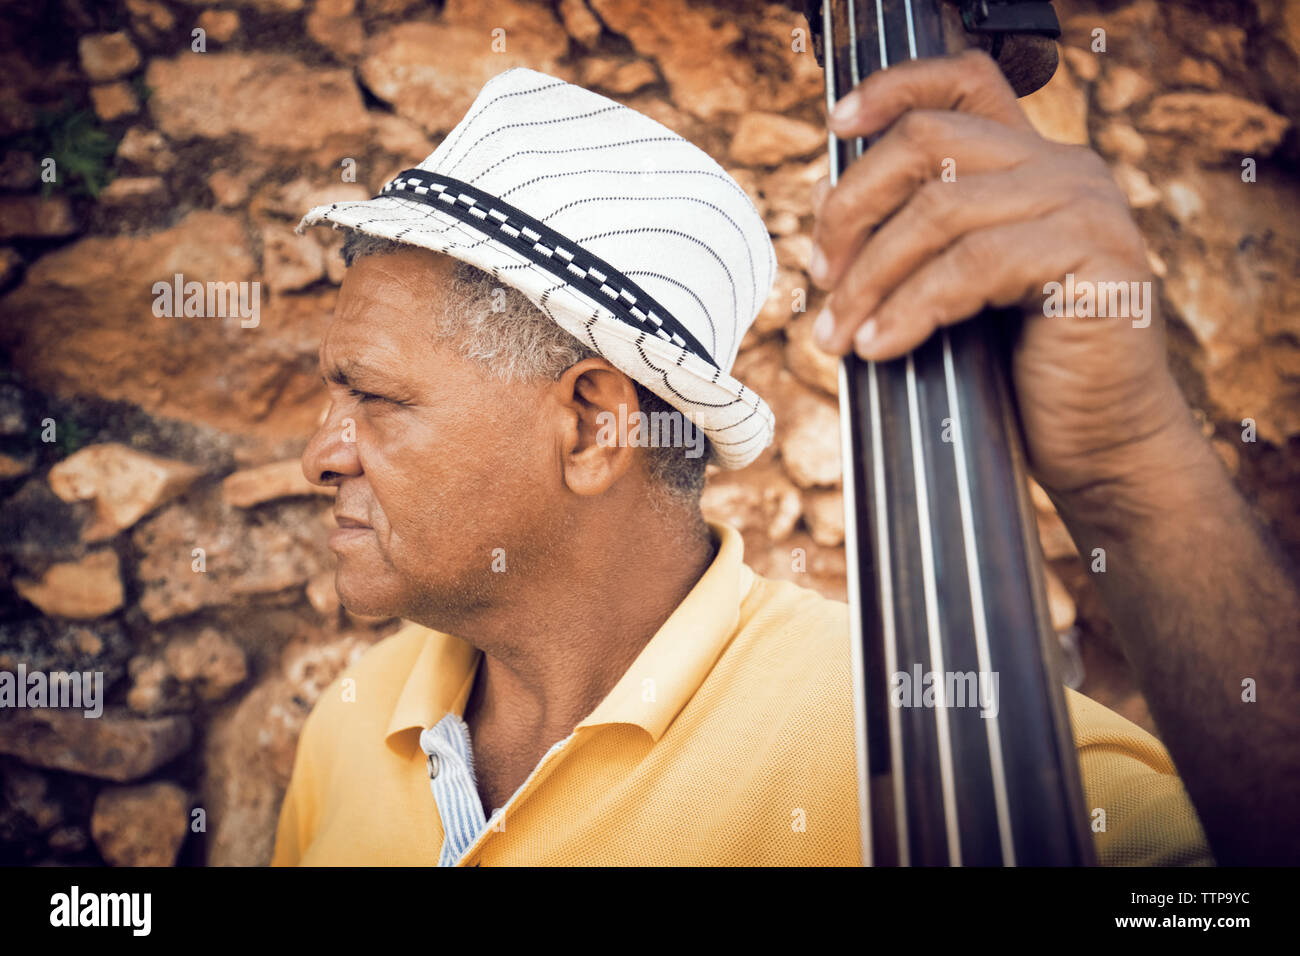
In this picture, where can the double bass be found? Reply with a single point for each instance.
(945, 573)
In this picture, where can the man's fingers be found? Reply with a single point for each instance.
(969, 82)
(819, 191)
(999, 266)
(921, 147)
(937, 215)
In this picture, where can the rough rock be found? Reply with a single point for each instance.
(824, 514)
(146, 148)
(753, 499)
(106, 56)
(128, 190)
(51, 644)
(794, 252)
(36, 218)
(219, 25)
(18, 170)
(400, 137)
(1194, 72)
(113, 101)
(789, 189)
(1229, 295)
(141, 826)
(89, 588)
(289, 261)
(281, 479)
(115, 746)
(806, 358)
(768, 139)
(1119, 140)
(802, 560)
(250, 751)
(1121, 87)
(150, 18)
(779, 307)
(274, 102)
(322, 596)
(431, 72)
(13, 467)
(1211, 125)
(230, 189)
(1083, 63)
(243, 554)
(97, 306)
(1136, 184)
(212, 664)
(810, 447)
(344, 36)
(125, 484)
(294, 198)
(153, 689)
(26, 794)
(580, 21)
(693, 46)
(616, 76)
(1059, 602)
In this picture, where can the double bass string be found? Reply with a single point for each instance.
(849, 469)
(926, 540)
(933, 621)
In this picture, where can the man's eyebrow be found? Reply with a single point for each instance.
(336, 375)
(351, 373)
(346, 372)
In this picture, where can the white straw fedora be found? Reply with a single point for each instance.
(627, 235)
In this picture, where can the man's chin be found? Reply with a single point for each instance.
(359, 595)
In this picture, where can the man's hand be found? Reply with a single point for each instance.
(1208, 610)
(959, 205)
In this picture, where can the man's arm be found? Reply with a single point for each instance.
(1208, 614)
(1200, 599)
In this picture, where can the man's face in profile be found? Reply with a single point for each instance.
(437, 464)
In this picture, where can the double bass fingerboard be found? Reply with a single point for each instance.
(965, 755)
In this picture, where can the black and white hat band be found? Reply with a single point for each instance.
(553, 252)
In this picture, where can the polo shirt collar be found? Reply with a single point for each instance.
(439, 681)
(671, 668)
(664, 676)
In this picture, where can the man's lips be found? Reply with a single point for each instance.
(349, 529)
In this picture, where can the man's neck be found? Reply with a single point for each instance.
(551, 658)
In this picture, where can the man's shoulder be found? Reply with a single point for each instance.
(776, 600)
(797, 636)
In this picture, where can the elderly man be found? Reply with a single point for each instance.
(593, 675)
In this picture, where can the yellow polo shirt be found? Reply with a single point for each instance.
(729, 741)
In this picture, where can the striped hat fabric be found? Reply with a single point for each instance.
(628, 236)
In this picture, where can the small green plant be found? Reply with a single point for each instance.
(81, 150)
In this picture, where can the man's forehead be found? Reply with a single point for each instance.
(384, 312)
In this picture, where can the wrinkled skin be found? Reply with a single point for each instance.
(907, 252)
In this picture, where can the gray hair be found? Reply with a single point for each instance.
(498, 327)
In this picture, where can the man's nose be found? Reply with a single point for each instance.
(331, 455)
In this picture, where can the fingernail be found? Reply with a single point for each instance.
(824, 327)
(818, 266)
(866, 335)
(845, 109)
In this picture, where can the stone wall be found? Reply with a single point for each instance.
(155, 526)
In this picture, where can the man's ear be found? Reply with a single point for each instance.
(593, 439)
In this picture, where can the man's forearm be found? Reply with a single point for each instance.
(1209, 615)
